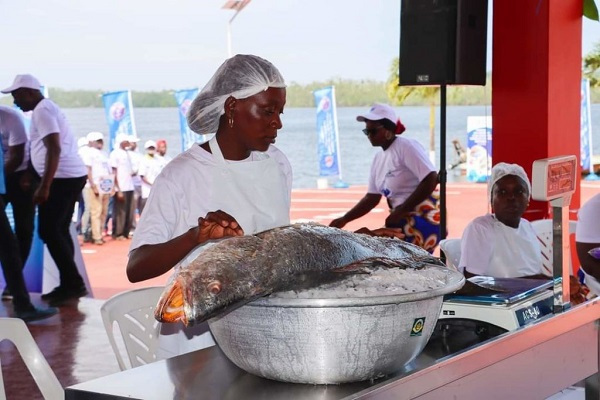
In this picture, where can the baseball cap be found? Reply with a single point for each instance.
(121, 137)
(132, 139)
(82, 141)
(95, 136)
(23, 81)
(149, 143)
(379, 111)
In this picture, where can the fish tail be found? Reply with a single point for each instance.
(171, 307)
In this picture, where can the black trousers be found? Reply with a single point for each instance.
(12, 265)
(54, 220)
(123, 215)
(23, 211)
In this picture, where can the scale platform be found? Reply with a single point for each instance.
(505, 303)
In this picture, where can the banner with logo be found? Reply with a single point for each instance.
(328, 146)
(479, 148)
(118, 108)
(184, 100)
(586, 148)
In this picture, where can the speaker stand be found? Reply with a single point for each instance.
(442, 176)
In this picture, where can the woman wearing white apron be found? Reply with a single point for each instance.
(503, 244)
(235, 184)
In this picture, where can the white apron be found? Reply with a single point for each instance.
(255, 194)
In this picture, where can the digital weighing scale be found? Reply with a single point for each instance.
(516, 302)
(510, 304)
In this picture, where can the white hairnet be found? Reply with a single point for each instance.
(501, 170)
(241, 76)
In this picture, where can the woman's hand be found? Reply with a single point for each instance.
(395, 233)
(216, 225)
(396, 216)
(338, 223)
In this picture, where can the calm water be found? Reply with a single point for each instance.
(298, 139)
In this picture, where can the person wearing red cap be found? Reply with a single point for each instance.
(402, 173)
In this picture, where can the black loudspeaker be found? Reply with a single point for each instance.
(443, 42)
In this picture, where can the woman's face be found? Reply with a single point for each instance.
(258, 118)
(509, 200)
(376, 133)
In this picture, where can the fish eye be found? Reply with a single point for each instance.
(214, 287)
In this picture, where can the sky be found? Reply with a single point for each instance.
(176, 44)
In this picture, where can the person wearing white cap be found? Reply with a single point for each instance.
(150, 168)
(61, 178)
(83, 209)
(123, 206)
(19, 191)
(502, 244)
(403, 173)
(100, 184)
(235, 184)
(136, 159)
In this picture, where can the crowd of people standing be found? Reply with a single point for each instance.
(47, 169)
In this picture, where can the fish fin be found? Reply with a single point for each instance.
(367, 265)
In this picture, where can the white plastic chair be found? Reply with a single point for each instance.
(16, 331)
(451, 248)
(543, 230)
(133, 312)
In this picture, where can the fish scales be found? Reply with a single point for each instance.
(240, 269)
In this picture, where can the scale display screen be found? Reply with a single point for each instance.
(535, 311)
(554, 177)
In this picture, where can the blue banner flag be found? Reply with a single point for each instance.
(586, 127)
(118, 108)
(184, 100)
(327, 133)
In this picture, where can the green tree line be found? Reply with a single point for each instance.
(349, 93)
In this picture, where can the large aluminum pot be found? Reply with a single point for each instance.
(322, 341)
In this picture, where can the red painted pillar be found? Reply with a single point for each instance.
(536, 74)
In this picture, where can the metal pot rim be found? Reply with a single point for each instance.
(454, 281)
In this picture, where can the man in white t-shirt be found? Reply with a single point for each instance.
(161, 149)
(123, 205)
(587, 237)
(61, 178)
(83, 210)
(136, 159)
(150, 168)
(100, 184)
(19, 192)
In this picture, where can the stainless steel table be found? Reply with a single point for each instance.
(533, 362)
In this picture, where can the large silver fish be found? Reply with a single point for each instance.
(240, 269)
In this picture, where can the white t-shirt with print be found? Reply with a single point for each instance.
(121, 160)
(47, 118)
(490, 248)
(150, 168)
(588, 231)
(397, 171)
(98, 161)
(13, 133)
(177, 197)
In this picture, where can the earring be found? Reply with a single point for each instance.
(231, 121)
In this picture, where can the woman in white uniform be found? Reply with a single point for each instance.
(402, 173)
(503, 244)
(237, 183)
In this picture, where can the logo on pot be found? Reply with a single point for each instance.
(417, 327)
